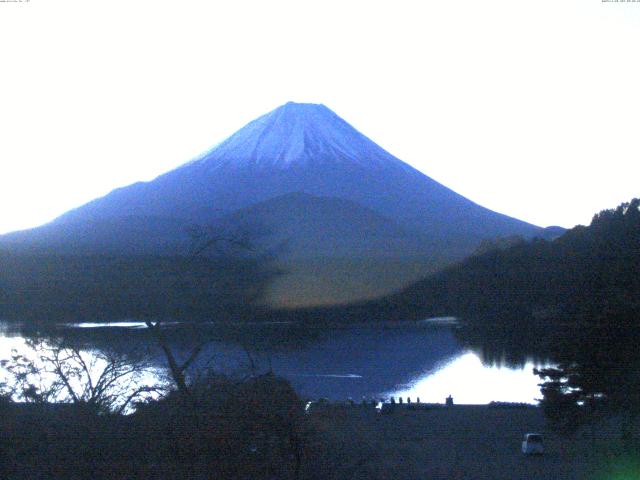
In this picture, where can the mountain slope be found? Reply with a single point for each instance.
(305, 148)
(319, 184)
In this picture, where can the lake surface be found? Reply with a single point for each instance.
(372, 362)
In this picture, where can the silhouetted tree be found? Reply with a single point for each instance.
(103, 381)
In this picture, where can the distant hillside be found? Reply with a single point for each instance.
(309, 226)
(334, 250)
(585, 271)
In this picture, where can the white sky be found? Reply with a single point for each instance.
(530, 108)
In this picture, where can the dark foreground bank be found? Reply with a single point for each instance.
(258, 429)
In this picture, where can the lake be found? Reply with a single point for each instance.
(372, 362)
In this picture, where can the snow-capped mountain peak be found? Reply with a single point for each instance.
(297, 134)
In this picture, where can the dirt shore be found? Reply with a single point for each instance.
(464, 442)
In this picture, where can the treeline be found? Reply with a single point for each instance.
(51, 287)
(587, 272)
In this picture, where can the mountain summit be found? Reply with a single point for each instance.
(298, 134)
(350, 212)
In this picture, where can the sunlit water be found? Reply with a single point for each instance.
(468, 381)
(360, 362)
(84, 371)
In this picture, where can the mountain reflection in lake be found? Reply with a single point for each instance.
(335, 363)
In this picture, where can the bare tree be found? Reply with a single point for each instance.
(203, 243)
(177, 369)
(103, 380)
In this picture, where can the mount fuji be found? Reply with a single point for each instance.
(356, 222)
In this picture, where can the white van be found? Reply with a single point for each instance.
(532, 444)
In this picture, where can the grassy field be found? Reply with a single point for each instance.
(466, 442)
